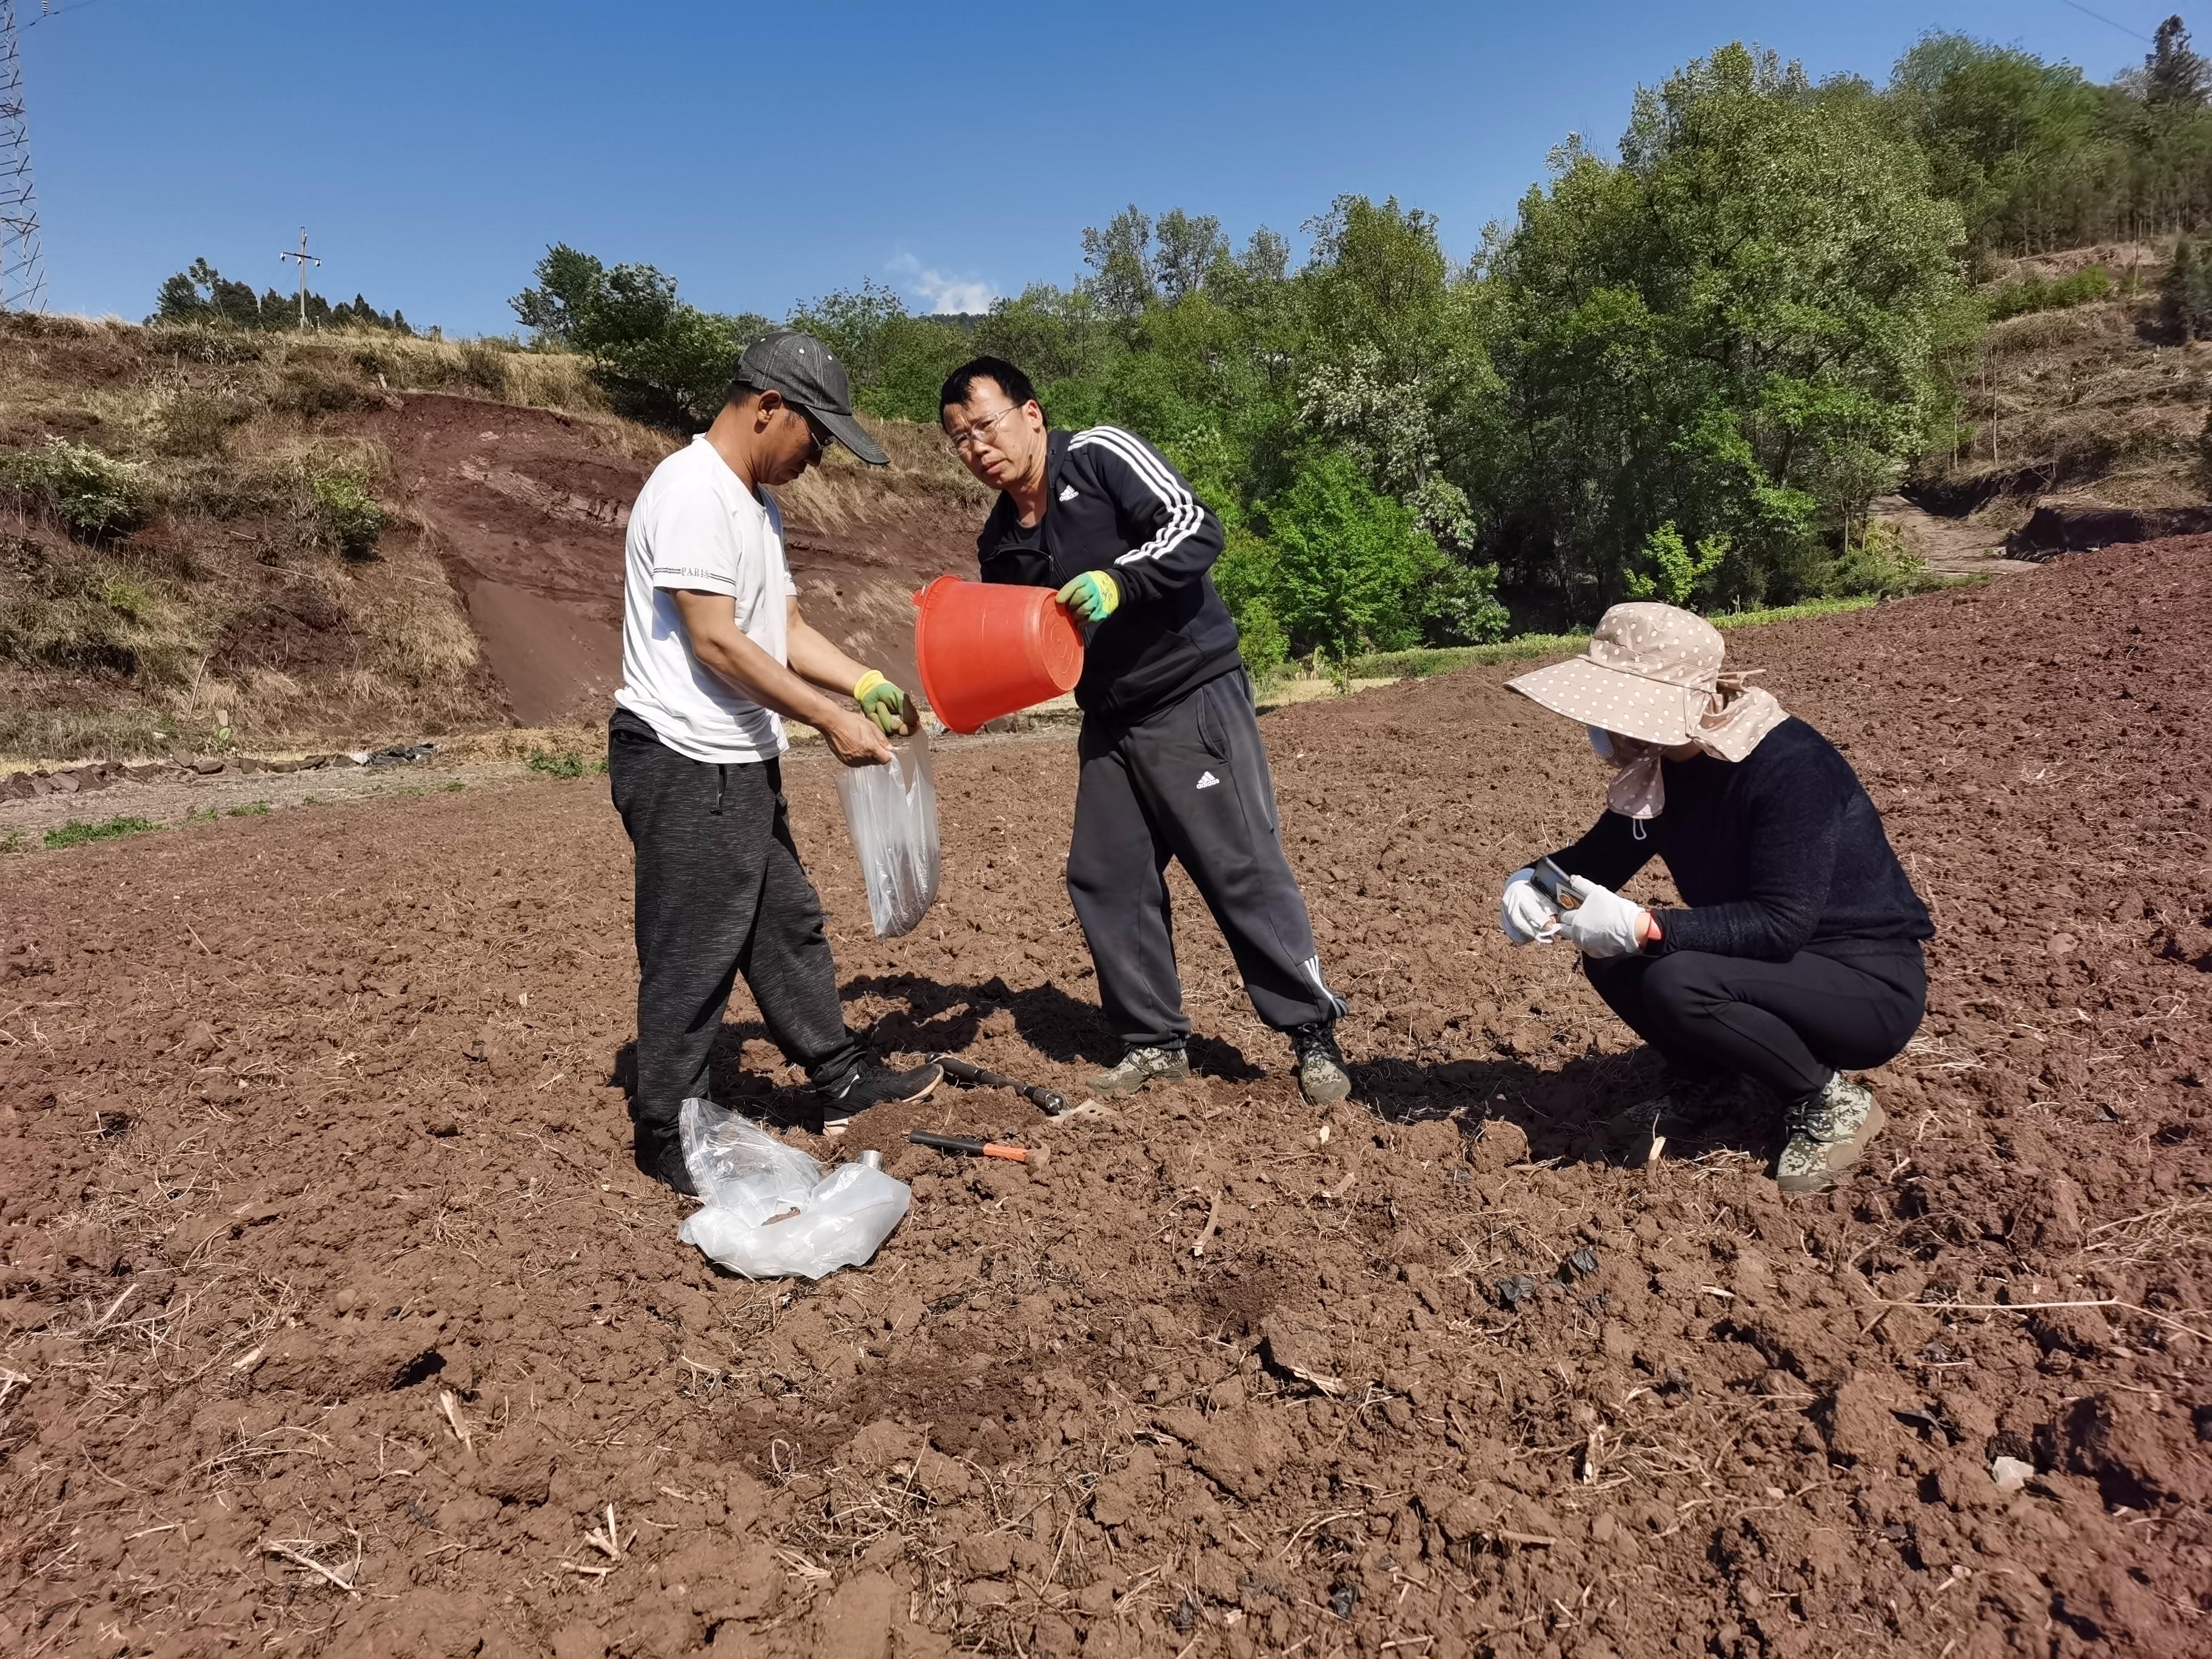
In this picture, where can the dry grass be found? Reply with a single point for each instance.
(2081, 400)
(842, 492)
(237, 484)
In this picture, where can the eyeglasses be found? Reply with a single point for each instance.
(977, 433)
(816, 434)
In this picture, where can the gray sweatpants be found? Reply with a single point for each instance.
(720, 892)
(1190, 782)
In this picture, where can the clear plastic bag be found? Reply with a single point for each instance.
(892, 813)
(769, 1211)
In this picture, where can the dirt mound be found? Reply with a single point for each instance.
(528, 507)
(2062, 526)
(335, 1318)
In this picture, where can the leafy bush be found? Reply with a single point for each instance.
(2034, 292)
(192, 422)
(1460, 605)
(1349, 562)
(563, 763)
(78, 610)
(95, 495)
(1672, 572)
(1262, 643)
(1880, 567)
(344, 517)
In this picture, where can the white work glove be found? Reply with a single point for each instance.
(1526, 916)
(1604, 924)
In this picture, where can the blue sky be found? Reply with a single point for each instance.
(765, 153)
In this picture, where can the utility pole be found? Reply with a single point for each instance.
(306, 259)
(23, 274)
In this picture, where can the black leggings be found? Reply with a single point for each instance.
(1790, 1024)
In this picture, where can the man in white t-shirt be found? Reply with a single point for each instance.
(716, 657)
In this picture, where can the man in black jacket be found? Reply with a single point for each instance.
(1172, 764)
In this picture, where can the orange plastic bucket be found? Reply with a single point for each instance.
(986, 649)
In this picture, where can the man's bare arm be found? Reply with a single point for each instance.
(711, 622)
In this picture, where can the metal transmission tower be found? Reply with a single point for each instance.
(306, 259)
(22, 276)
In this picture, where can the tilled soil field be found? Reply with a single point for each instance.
(336, 1321)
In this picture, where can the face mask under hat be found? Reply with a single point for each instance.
(1652, 672)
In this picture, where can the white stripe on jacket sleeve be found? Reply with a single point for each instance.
(1184, 513)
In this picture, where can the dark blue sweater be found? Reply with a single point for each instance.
(1778, 853)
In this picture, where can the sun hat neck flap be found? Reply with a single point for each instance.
(1653, 672)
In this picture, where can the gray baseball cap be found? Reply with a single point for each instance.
(807, 373)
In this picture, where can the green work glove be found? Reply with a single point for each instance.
(1092, 597)
(884, 703)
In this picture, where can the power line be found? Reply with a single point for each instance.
(2076, 4)
(47, 8)
(22, 271)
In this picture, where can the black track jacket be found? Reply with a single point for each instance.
(1113, 503)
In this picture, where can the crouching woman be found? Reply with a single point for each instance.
(1797, 956)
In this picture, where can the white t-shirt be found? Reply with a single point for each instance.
(696, 526)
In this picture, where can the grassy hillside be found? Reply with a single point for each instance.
(199, 549)
(2082, 398)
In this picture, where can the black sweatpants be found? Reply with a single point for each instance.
(1790, 1024)
(720, 892)
(1187, 781)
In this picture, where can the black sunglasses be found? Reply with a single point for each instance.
(820, 434)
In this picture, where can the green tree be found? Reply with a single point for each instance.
(1348, 563)
(1739, 328)
(1189, 248)
(2011, 140)
(201, 294)
(660, 358)
(2174, 74)
(1121, 260)
(897, 360)
(2184, 293)
(1396, 365)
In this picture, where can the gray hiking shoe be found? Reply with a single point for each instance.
(1322, 1077)
(1828, 1132)
(1138, 1067)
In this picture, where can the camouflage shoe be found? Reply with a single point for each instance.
(1138, 1067)
(1322, 1077)
(1828, 1132)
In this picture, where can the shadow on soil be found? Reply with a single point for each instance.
(1563, 1114)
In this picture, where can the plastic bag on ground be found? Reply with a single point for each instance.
(769, 1211)
(892, 813)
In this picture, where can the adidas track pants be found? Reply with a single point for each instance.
(1188, 781)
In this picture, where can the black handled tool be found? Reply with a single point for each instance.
(975, 1148)
(1047, 1101)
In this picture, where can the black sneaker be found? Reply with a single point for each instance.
(874, 1085)
(1322, 1077)
(661, 1156)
